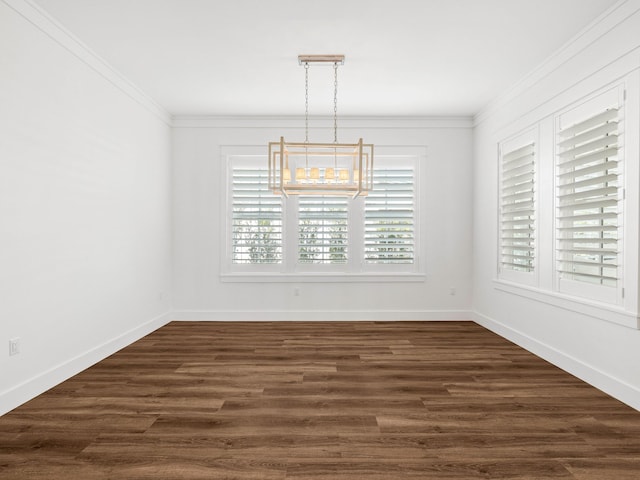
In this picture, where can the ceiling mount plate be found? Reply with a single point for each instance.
(321, 59)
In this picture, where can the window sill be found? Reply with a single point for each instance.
(602, 311)
(322, 278)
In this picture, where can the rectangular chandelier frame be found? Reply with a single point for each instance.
(305, 168)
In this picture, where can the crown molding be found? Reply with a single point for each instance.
(59, 34)
(597, 29)
(319, 122)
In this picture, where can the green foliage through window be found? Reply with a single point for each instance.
(256, 218)
(322, 229)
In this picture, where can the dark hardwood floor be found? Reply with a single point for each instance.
(297, 400)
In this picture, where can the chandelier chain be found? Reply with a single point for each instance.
(335, 102)
(306, 103)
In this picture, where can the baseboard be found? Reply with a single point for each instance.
(617, 388)
(328, 315)
(19, 394)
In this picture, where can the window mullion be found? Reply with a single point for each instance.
(291, 234)
(356, 234)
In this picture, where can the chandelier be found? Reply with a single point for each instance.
(308, 168)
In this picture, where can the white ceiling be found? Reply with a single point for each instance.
(403, 57)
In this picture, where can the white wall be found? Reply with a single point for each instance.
(84, 207)
(198, 190)
(604, 353)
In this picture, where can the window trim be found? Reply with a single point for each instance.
(593, 308)
(577, 112)
(322, 277)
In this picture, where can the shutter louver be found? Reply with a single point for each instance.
(256, 218)
(517, 209)
(389, 217)
(322, 229)
(587, 179)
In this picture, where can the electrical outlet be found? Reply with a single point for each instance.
(14, 346)
(296, 292)
(452, 291)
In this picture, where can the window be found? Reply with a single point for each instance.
(322, 229)
(517, 249)
(389, 217)
(518, 208)
(588, 193)
(317, 234)
(583, 228)
(256, 218)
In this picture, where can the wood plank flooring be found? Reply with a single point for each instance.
(298, 401)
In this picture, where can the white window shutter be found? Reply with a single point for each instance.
(389, 223)
(517, 209)
(256, 218)
(588, 193)
(322, 229)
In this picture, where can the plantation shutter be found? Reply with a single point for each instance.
(517, 209)
(256, 218)
(587, 179)
(389, 235)
(322, 229)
